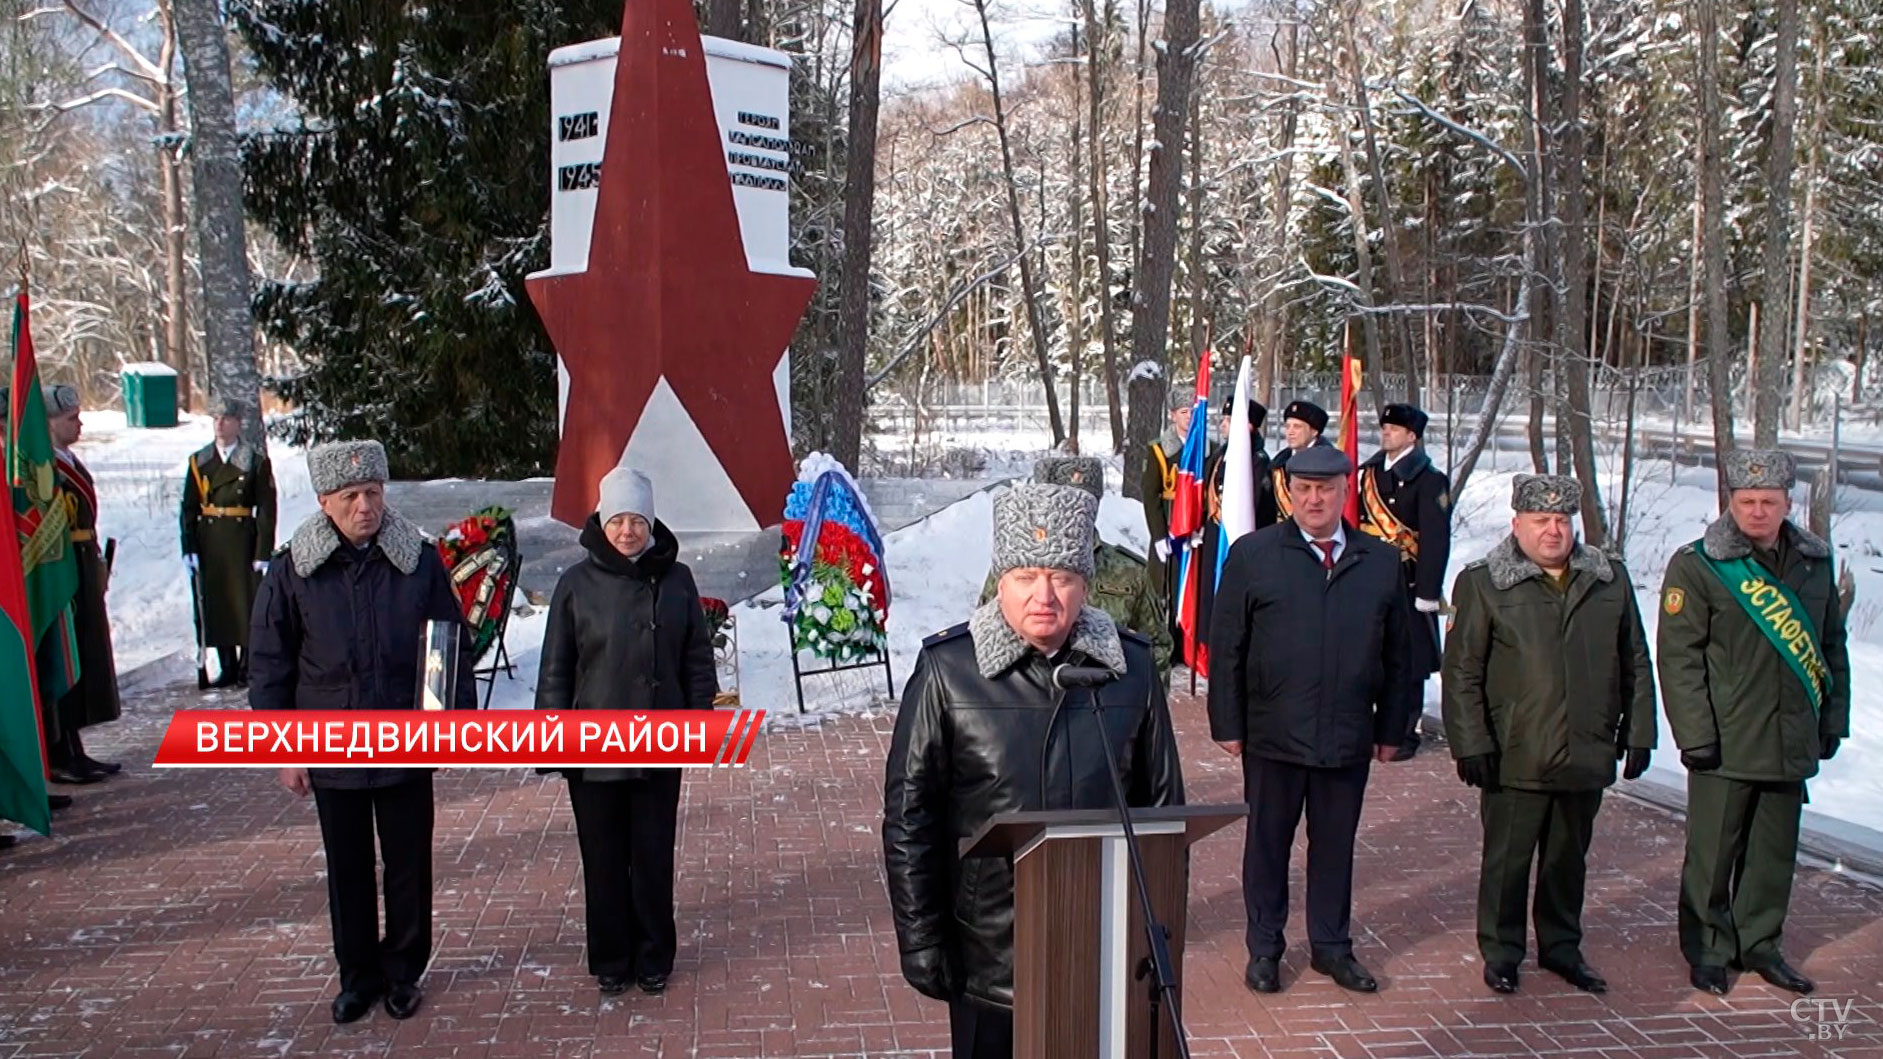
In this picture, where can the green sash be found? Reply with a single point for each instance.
(1777, 612)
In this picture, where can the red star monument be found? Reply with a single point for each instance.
(668, 293)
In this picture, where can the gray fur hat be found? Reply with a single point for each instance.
(1045, 525)
(1082, 471)
(1547, 494)
(233, 407)
(60, 398)
(1181, 395)
(1761, 469)
(336, 465)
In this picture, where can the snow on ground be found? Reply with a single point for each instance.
(936, 568)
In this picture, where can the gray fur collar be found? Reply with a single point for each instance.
(1509, 567)
(316, 540)
(1724, 542)
(997, 647)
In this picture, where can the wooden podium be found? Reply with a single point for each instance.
(1078, 927)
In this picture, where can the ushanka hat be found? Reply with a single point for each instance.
(1084, 472)
(1308, 412)
(335, 466)
(1037, 524)
(1760, 469)
(1404, 415)
(1547, 494)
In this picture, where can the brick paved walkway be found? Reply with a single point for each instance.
(182, 914)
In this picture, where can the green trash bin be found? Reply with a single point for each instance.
(150, 395)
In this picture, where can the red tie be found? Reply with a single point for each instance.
(1327, 553)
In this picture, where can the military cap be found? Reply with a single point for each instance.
(1319, 461)
(1044, 525)
(1405, 415)
(1760, 469)
(1308, 412)
(1550, 494)
(337, 465)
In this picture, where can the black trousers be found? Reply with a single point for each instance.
(1277, 793)
(1553, 829)
(979, 1032)
(403, 813)
(627, 830)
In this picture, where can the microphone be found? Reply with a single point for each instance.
(1068, 677)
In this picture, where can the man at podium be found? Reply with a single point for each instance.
(982, 731)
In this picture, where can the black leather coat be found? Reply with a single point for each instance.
(968, 746)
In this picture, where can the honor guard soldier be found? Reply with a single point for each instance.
(1757, 688)
(1158, 490)
(228, 524)
(94, 699)
(1406, 502)
(1302, 425)
(1547, 684)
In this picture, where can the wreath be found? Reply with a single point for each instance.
(836, 587)
(480, 554)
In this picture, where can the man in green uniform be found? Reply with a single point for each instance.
(1158, 489)
(1757, 685)
(1547, 683)
(1118, 585)
(228, 526)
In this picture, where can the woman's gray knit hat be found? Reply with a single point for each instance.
(1042, 525)
(625, 491)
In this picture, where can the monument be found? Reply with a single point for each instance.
(669, 297)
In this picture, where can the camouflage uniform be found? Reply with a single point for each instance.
(1119, 588)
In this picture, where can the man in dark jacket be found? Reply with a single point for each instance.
(980, 733)
(337, 626)
(1756, 679)
(228, 529)
(1310, 683)
(1547, 684)
(1406, 502)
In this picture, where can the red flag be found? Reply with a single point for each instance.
(1350, 425)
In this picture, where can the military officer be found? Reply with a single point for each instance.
(1547, 684)
(1302, 425)
(1118, 586)
(1158, 489)
(1757, 687)
(94, 699)
(228, 523)
(1406, 502)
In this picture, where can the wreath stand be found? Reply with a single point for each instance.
(725, 654)
(500, 661)
(881, 654)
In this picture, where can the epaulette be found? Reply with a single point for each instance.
(1685, 549)
(1133, 634)
(946, 634)
(1478, 563)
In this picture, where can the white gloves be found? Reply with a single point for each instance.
(189, 560)
(261, 566)
(1162, 547)
(1428, 606)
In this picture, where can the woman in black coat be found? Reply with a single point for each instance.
(626, 632)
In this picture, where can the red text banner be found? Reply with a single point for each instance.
(459, 739)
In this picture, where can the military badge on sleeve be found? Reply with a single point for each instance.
(1674, 600)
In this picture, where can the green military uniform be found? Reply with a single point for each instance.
(1158, 489)
(1731, 694)
(228, 523)
(1551, 679)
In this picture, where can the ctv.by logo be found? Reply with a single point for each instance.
(1825, 1019)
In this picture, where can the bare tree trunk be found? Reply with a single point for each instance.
(859, 206)
(1801, 376)
(1539, 205)
(1029, 289)
(1137, 159)
(1695, 273)
(1373, 359)
(1075, 315)
(1199, 326)
(1863, 356)
(1485, 430)
(222, 243)
(1712, 195)
(1397, 285)
(1095, 46)
(1780, 161)
(1575, 304)
(1150, 328)
(176, 222)
(725, 18)
(1275, 317)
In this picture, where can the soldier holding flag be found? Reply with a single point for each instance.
(1756, 682)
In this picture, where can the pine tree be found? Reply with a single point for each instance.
(414, 181)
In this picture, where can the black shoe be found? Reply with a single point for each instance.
(402, 1001)
(75, 776)
(652, 984)
(612, 984)
(9, 841)
(58, 801)
(1346, 973)
(1710, 979)
(1784, 976)
(351, 1007)
(1578, 974)
(1263, 975)
(1501, 977)
(103, 768)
